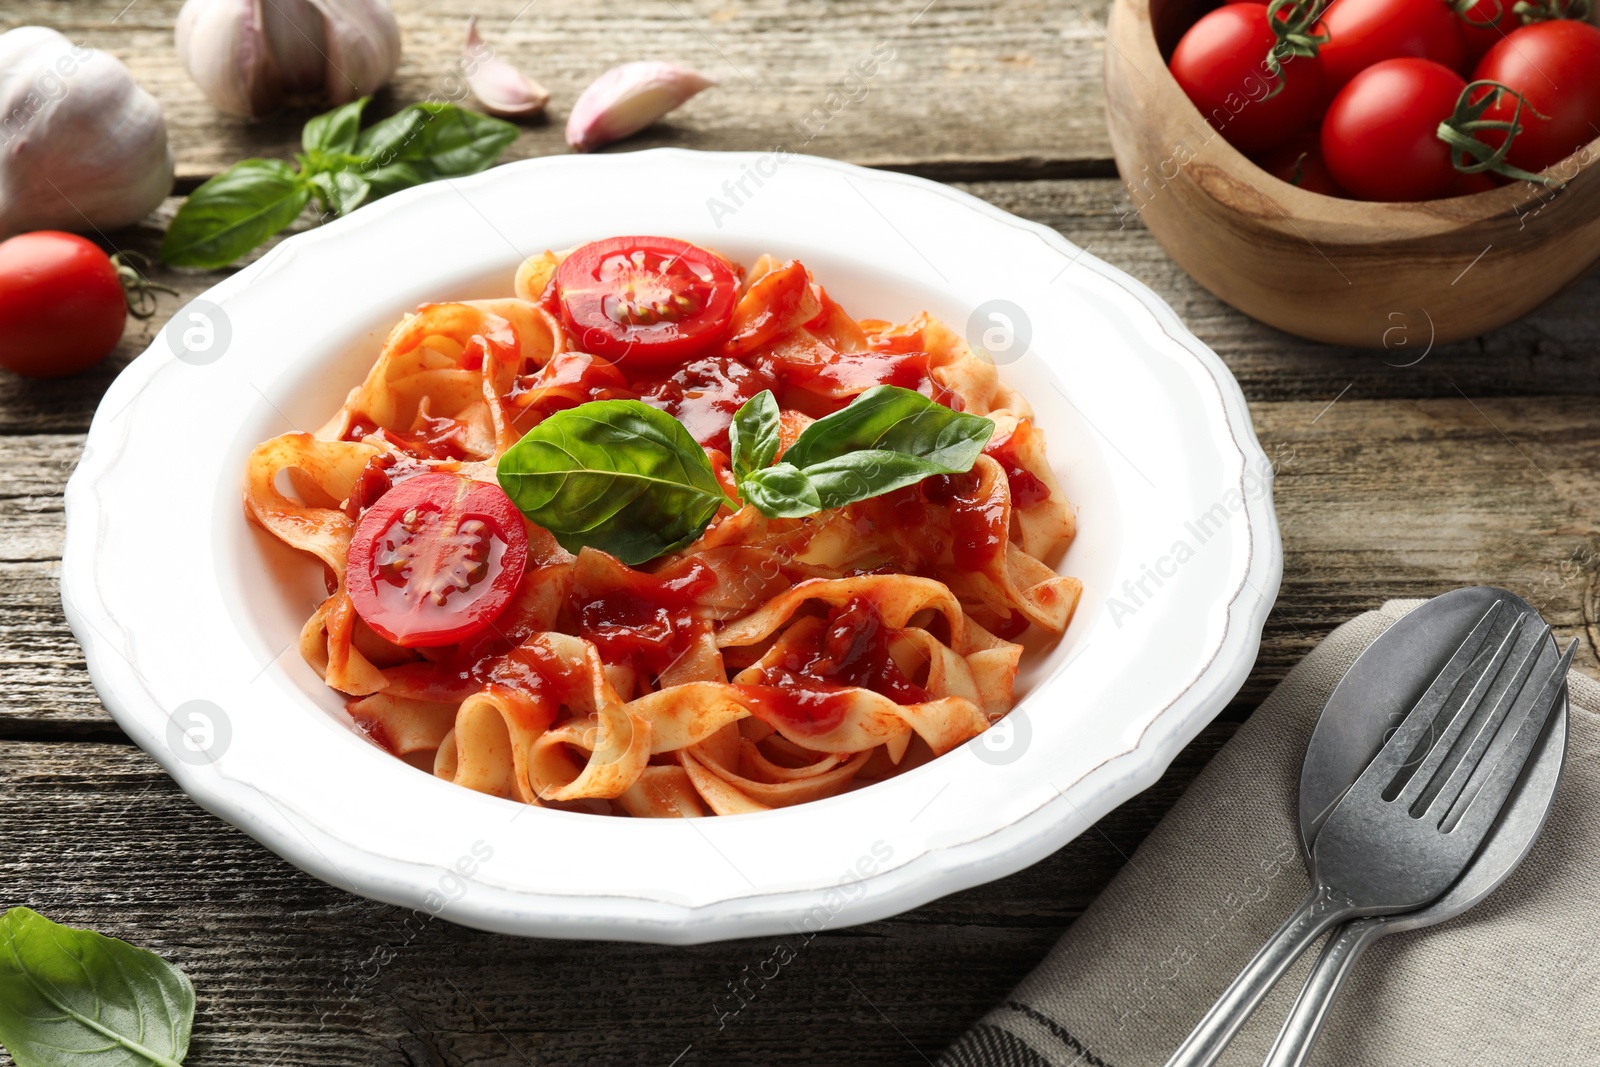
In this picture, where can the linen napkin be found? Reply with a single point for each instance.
(1510, 982)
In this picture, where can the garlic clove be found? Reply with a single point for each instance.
(363, 47)
(297, 40)
(626, 99)
(224, 46)
(501, 88)
(82, 147)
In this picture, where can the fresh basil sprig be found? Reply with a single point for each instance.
(886, 439)
(75, 998)
(627, 478)
(342, 168)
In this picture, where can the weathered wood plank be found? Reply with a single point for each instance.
(293, 972)
(968, 85)
(1549, 352)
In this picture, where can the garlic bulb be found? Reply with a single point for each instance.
(249, 56)
(626, 99)
(501, 88)
(82, 147)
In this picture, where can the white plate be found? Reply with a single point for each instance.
(188, 614)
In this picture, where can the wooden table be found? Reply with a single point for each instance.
(1476, 465)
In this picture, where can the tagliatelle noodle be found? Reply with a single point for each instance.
(772, 662)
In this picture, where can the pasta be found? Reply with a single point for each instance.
(769, 661)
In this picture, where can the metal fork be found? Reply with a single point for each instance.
(1415, 818)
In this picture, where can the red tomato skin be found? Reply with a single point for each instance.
(1485, 24)
(1380, 137)
(1364, 32)
(1467, 184)
(1221, 65)
(62, 308)
(664, 343)
(1555, 65)
(1302, 159)
(419, 627)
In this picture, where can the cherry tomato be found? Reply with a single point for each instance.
(1221, 63)
(1467, 184)
(436, 559)
(645, 301)
(1483, 25)
(62, 307)
(1364, 32)
(1300, 163)
(1380, 137)
(1556, 67)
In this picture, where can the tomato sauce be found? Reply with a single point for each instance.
(433, 438)
(644, 618)
(705, 393)
(848, 374)
(804, 690)
(569, 379)
(1027, 489)
(978, 522)
(381, 474)
(374, 731)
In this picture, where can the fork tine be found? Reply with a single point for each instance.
(1482, 680)
(1491, 728)
(1487, 790)
(1393, 755)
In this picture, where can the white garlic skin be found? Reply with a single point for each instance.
(82, 147)
(626, 99)
(250, 56)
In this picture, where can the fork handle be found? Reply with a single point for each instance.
(1305, 1020)
(1315, 914)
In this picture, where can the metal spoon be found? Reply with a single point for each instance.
(1360, 713)
(1418, 814)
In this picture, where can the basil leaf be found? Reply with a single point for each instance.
(862, 475)
(342, 190)
(891, 419)
(429, 141)
(754, 437)
(782, 491)
(234, 212)
(617, 475)
(334, 131)
(381, 142)
(74, 998)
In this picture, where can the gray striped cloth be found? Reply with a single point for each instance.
(1510, 982)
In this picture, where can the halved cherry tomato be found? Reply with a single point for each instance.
(645, 302)
(1556, 67)
(1221, 63)
(1364, 32)
(436, 559)
(1381, 134)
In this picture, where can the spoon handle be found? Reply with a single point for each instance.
(1322, 985)
(1315, 914)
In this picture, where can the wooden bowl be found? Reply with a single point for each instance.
(1344, 271)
